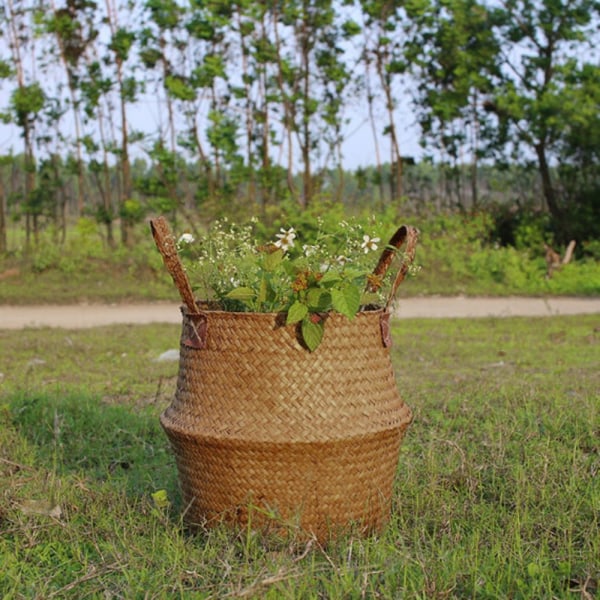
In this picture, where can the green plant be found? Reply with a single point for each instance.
(333, 273)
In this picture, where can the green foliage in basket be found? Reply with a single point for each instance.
(304, 280)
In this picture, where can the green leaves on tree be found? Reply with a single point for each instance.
(27, 101)
(179, 88)
(121, 43)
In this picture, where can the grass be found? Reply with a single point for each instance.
(85, 272)
(497, 492)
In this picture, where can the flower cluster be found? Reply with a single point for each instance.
(331, 272)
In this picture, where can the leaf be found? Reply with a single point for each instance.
(161, 498)
(273, 260)
(263, 291)
(369, 298)
(346, 300)
(243, 294)
(353, 273)
(330, 277)
(312, 333)
(296, 312)
(293, 267)
(317, 299)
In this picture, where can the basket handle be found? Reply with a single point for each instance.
(407, 234)
(165, 242)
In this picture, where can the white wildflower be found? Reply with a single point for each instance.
(369, 243)
(285, 239)
(186, 238)
(341, 260)
(309, 250)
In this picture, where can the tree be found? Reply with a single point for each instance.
(256, 95)
(95, 86)
(160, 34)
(388, 30)
(198, 84)
(5, 161)
(456, 69)
(27, 99)
(579, 151)
(74, 30)
(162, 50)
(311, 79)
(5, 73)
(119, 50)
(546, 47)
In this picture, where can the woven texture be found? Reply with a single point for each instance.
(309, 438)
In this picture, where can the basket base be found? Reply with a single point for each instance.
(319, 489)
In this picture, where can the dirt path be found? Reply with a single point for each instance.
(93, 315)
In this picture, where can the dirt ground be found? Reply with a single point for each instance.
(93, 315)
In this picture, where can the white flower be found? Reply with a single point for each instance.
(285, 239)
(369, 243)
(186, 238)
(341, 260)
(309, 250)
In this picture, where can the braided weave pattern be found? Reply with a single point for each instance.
(310, 437)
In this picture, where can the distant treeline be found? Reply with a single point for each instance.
(429, 188)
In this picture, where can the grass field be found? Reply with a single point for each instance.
(497, 492)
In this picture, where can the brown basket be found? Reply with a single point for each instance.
(266, 432)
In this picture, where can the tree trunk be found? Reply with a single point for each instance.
(249, 113)
(372, 120)
(396, 158)
(125, 166)
(474, 157)
(547, 187)
(204, 162)
(288, 113)
(29, 183)
(3, 237)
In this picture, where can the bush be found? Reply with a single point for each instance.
(524, 228)
(581, 277)
(506, 266)
(458, 253)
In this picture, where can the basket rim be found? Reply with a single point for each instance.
(210, 307)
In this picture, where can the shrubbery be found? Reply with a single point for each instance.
(487, 252)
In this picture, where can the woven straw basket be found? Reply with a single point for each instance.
(267, 433)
